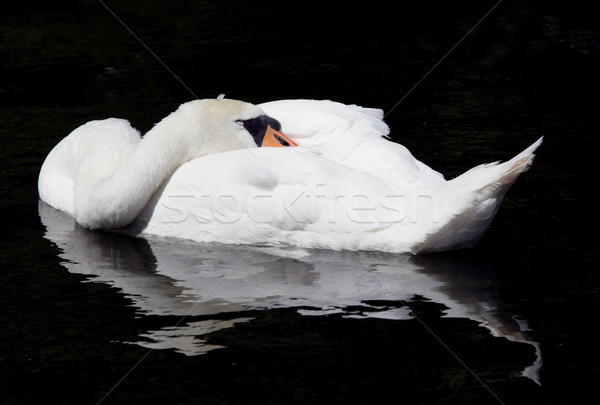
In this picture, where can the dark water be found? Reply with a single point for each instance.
(332, 327)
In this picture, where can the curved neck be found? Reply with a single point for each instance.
(117, 200)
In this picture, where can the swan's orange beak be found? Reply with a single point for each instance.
(276, 138)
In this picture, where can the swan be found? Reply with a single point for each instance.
(200, 175)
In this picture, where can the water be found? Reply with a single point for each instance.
(89, 316)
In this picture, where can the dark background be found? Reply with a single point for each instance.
(531, 68)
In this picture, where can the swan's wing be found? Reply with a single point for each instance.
(85, 156)
(352, 136)
(317, 123)
(272, 196)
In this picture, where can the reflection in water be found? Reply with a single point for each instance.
(174, 277)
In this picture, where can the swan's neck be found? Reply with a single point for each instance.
(117, 200)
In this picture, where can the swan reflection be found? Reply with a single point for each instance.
(168, 277)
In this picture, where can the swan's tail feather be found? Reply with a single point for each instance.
(473, 200)
(517, 165)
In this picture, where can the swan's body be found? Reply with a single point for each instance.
(346, 187)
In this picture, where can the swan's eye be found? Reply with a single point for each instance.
(239, 122)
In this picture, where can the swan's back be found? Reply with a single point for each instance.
(353, 136)
(86, 156)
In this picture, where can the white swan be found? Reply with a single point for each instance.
(345, 187)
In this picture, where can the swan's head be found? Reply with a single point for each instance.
(219, 125)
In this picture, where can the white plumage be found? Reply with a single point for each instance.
(344, 187)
